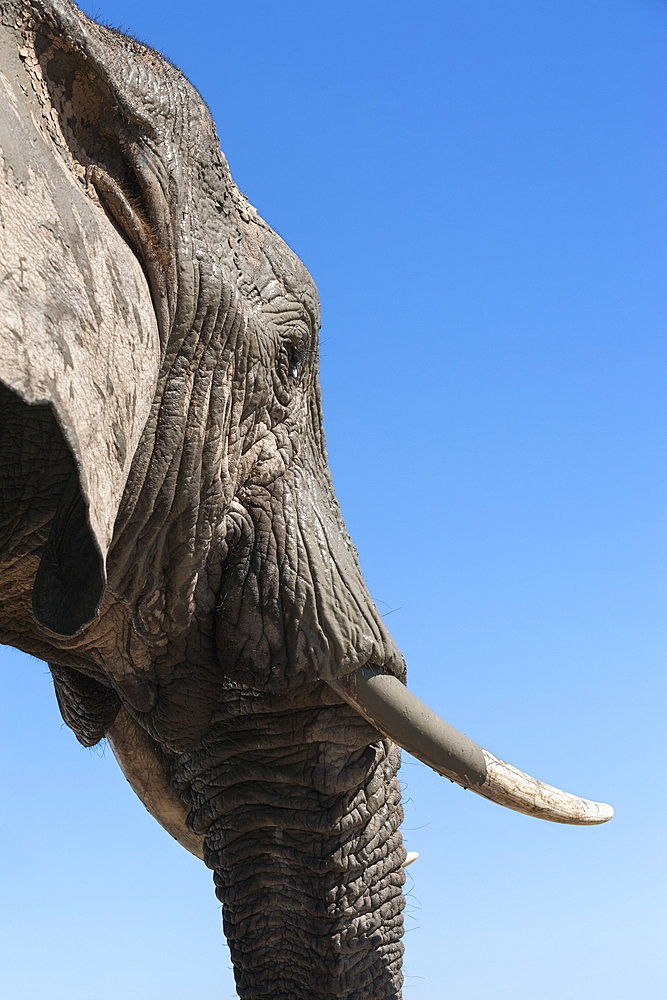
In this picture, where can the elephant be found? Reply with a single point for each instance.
(170, 540)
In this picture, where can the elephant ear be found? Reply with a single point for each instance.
(78, 328)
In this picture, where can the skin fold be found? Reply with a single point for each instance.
(170, 541)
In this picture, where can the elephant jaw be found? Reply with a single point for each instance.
(146, 767)
(397, 713)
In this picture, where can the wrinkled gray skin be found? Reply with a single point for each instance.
(169, 537)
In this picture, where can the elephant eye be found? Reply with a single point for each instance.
(295, 354)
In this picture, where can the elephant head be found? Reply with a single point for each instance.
(170, 540)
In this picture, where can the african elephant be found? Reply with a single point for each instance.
(170, 541)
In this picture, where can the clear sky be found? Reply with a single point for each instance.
(478, 190)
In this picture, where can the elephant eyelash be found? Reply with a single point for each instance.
(295, 356)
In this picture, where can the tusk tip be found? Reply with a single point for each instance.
(605, 812)
(409, 858)
(391, 708)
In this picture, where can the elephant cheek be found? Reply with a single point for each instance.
(77, 332)
(293, 606)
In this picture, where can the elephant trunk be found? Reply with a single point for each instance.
(300, 810)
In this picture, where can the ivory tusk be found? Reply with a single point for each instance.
(397, 713)
(409, 858)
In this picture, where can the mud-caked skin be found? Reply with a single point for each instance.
(169, 537)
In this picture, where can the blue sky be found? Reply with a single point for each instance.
(478, 191)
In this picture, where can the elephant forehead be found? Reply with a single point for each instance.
(269, 268)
